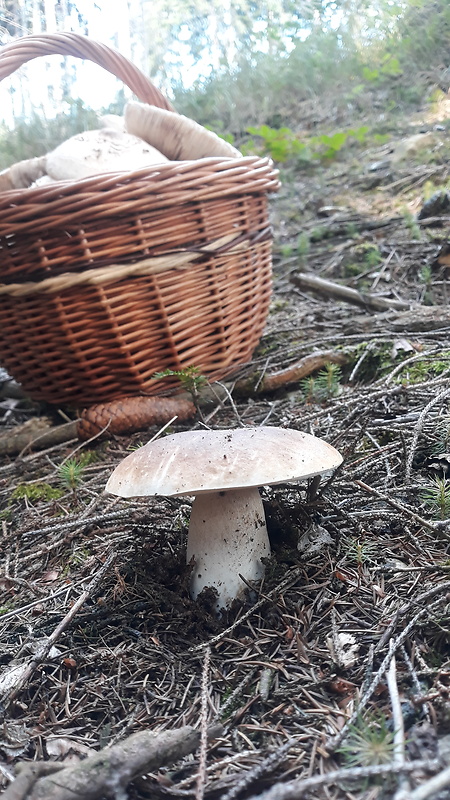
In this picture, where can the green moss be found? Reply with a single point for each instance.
(352, 270)
(79, 556)
(369, 254)
(278, 305)
(319, 233)
(36, 492)
(379, 361)
(286, 250)
(428, 368)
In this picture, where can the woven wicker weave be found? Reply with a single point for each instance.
(107, 280)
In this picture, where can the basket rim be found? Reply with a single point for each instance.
(219, 166)
(110, 194)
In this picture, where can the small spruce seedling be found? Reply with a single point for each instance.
(357, 551)
(436, 495)
(326, 384)
(328, 380)
(71, 471)
(190, 378)
(370, 742)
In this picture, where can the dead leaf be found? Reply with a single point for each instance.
(341, 686)
(402, 345)
(315, 539)
(344, 649)
(14, 739)
(50, 576)
(60, 747)
(10, 677)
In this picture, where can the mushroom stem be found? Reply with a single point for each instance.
(227, 537)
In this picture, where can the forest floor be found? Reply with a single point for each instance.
(343, 660)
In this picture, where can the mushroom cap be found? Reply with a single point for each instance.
(209, 461)
(94, 152)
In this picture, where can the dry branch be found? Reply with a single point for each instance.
(425, 523)
(294, 790)
(369, 301)
(296, 372)
(112, 768)
(36, 432)
(28, 774)
(432, 787)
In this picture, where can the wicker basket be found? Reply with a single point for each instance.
(106, 280)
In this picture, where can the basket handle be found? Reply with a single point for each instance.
(13, 55)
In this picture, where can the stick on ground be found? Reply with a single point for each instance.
(370, 301)
(111, 769)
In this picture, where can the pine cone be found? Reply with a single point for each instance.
(132, 414)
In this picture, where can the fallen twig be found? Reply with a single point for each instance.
(28, 774)
(416, 602)
(38, 432)
(431, 787)
(369, 301)
(334, 741)
(292, 374)
(399, 751)
(112, 768)
(201, 776)
(432, 526)
(16, 612)
(295, 789)
(268, 764)
(418, 428)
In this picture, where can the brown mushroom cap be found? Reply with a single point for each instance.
(205, 461)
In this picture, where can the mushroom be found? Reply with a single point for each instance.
(105, 150)
(223, 469)
(175, 135)
(90, 153)
(22, 174)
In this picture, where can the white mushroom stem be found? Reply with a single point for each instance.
(227, 537)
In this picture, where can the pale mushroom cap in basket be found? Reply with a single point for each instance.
(105, 150)
(193, 462)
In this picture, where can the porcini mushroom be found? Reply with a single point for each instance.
(175, 135)
(94, 152)
(223, 469)
(22, 174)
